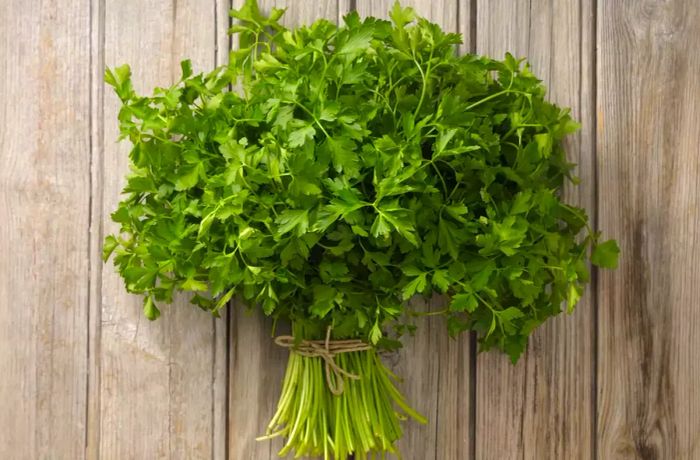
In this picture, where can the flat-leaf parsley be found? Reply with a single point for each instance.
(327, 174)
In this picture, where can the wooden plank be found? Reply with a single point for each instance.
(435, 369)
(255, 380)
(543, 407)
(221, 345)
(44, 213)
(97, 90)
(256, 366)
(649, 165)
(162, 384)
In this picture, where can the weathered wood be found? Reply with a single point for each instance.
(162, 384)
(649, 169)
(221, 347)
(544, 406)
(97, 90)
(44, 221)
(256, 371)
(435, 369)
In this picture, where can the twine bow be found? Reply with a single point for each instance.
(326, 350)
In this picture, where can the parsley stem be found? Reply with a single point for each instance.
(437, 171)
(493, 96)
(313, 117)
(429, 313)
(424, 77)
(363, 420)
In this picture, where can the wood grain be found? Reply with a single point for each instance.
(649, 189)
(544, 406)
(435, 369)
(256, 371)
(161, 384)
(220, 382)
(97, 90)
(44, 222)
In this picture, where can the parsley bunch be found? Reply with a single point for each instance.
(350, 168)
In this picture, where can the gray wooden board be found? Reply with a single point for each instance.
(44, 222)
(649, 189)
(544, 406)
(161, 385)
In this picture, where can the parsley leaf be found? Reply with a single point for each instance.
(605, 254)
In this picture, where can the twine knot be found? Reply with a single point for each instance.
(326, 350)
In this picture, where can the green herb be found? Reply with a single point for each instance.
(358, 165)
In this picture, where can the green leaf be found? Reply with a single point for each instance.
(544, 144)
(357, 42)
(324, 300)
(149, 308)
(447, 237)
(398, 218)
(606, 254)
(333, 271)
(442, 140)
(492, 327)
(401, 16)
(299, 137)
(120, 79)
(205, 224)
(357, 230)
(224, 299)
(108, 247)
(457, 211)
(417, 285)
(482, 278)
(380, 227)
(375, 334)
(285, 114)
(441, 280)
(510, 314)
(521, 203)
(139, 184)
(515, 348)
(574, 292)
(293, 219)
(344, 156)
(191, 284)
(464, 302)
(186, 67)
(188, 177)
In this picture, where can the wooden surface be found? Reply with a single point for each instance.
(44, 223)
(543, 407)
(161, 386)
(86, 376)
(649, 188)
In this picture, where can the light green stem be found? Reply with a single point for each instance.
(363, 420)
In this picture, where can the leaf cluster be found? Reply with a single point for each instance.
(350, 168)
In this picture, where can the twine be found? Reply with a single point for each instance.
(326, 350)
